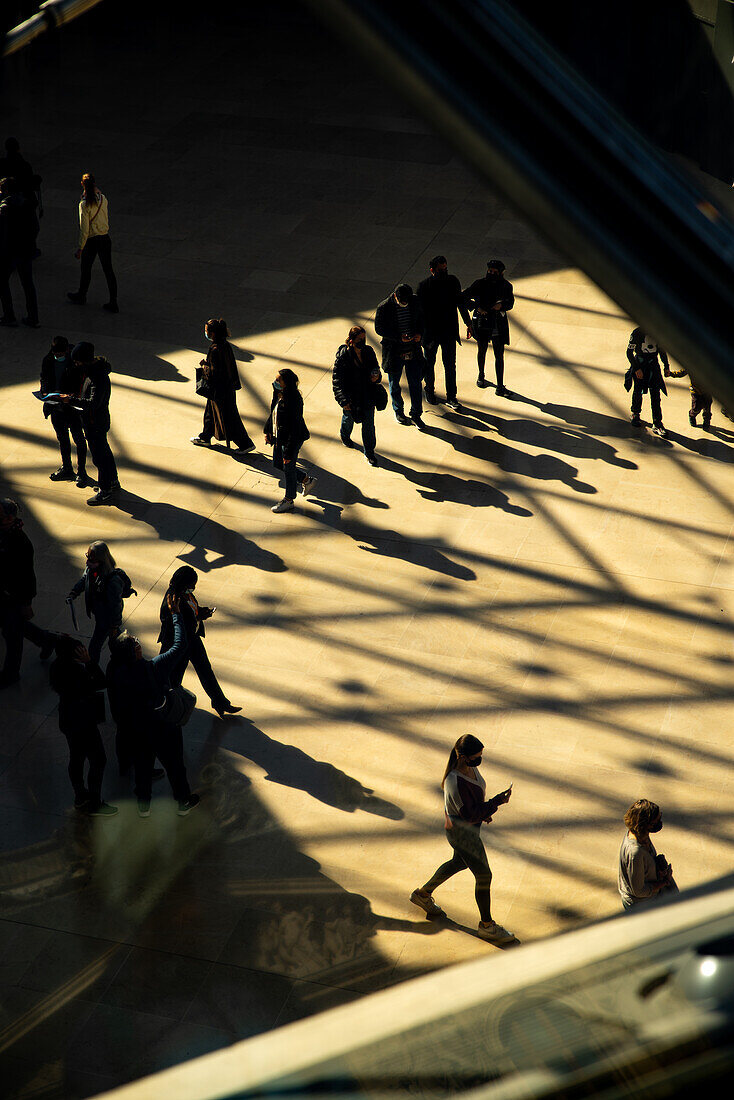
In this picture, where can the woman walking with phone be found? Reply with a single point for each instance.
(465, 810)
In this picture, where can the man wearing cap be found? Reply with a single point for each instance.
(17, 592)
(399, 321)
(440, 297)
(490, 298)
(94, 400)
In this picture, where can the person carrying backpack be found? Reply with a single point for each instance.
(104, 587)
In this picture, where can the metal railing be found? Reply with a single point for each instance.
(51, 14)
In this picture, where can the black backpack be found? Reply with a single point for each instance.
(127, 588)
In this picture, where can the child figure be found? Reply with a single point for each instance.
(701, 401)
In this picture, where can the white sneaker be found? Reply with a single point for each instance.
(659, 430)
(307, 484)
(199, 442)
(284, 506)
(495, 933)
(243, 450)
(427, 904)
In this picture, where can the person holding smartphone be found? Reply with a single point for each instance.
(491, 299)
(465, 810)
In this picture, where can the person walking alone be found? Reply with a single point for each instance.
(465, 811)
(491, 299)
(79, 683)
(18, 232)
(440, 298)
(104, 587)
(355, 379)
(285, 429)
(94, 241)
(643, 874)
(60, 375)
(221, 418)
(181, 588)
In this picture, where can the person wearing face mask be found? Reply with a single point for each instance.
(17, 592)
(440, 298)
(285, 429)
(466, 809)
(491, 299)
(399, 321)
(79, 683)
(59, 374)
(643, 874)
(94, 401)
(182, 585)
(355, 379)
(221, 418)
(104, 587)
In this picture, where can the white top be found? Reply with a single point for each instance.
(453, 797)
(94, 221)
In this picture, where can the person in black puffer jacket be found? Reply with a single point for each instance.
(354, 379)
(286, 430)
(79, 683)
(104, 587)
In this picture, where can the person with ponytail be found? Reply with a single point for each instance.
(94, 240)
(465, 810)
(221, 418)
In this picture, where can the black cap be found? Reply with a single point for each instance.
(83, 352)
(496, 263)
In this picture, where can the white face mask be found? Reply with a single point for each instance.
(207, 336)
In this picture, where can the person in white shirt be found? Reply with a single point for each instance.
(94, 240)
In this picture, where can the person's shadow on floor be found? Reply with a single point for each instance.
(448, 487)
(597, 423)
(291, 767)
(176, 524)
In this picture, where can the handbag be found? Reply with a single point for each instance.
(379, 395)
(204, 387)
(177, 707)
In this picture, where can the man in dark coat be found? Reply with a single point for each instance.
(491, 299)
(17, 592)
(440, 298)
(59, 374)
(18, 231)
(399, 321)
(94, 401)
(644, 375)
(137, 691)
(354, 380)
(79, 683)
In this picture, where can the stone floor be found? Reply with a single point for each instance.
(530, 570)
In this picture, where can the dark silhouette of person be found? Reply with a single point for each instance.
(285, 429)
(399, 321)
(59, 374)
(182, 585)
(354, 380)
(94, 400)
(491, 298)
(18, 231)
(94, 241)
(441, 301)
(221, 418)
(79, 682)
(105, 586)
(14, 164)
(644, 375)
(137, 690)
(17, 592)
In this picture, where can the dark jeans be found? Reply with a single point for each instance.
(102, 247)
(447, 344)
(66, 422)
(166, 743)
(24, 268)
(369, 438)
(14, 628)
(498, 347)
(468, 853)
(199, 658)
(292, 472)
(414, 375)
(654, 391)
(102, 458)
(85, 744)
(102, 632)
